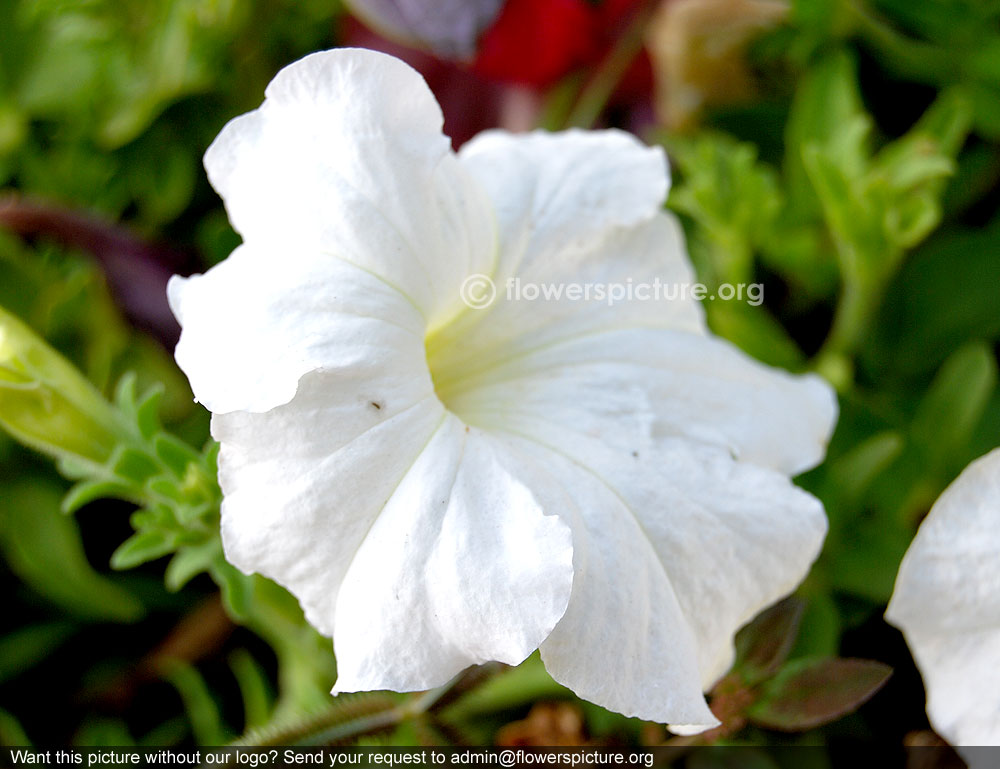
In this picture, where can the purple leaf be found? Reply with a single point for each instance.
(807, 693)
(449, 28)
(765, 643)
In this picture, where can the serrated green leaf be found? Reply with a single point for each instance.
(807, 693)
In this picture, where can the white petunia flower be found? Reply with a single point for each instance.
(947, 603)
(441, 486)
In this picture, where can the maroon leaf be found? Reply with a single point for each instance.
(810, 692)
(765, 643)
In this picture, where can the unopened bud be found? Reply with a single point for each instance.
(47, 404)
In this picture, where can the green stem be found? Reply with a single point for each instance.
(359, 727)
(851, 322)
(602, 85)
(350, 717)
(919, 60)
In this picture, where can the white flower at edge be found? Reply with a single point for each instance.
(441, 486)
(947, 603)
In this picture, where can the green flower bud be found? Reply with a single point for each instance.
(47, 404)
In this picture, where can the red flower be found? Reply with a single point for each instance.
(537, 42)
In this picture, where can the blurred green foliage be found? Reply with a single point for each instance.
(861, 189)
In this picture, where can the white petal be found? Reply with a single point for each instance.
(254, 324)
(734, 538)
(637, 386)
(402, 535)
(647, 255)
(558, 192)
(947, 603)
(645, 424)
(304, 482)
(346, 157)
(624, 642)
(729, 537)
(460, 567)
(583, 209)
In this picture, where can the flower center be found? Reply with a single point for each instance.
(459, 362)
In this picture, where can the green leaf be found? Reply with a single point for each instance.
(819, 633)
(47, 404)
(945, 295)
(954, 404)
(42, 546)
(133, 466)
(203, 712)
(850, 475)
(26, 646)
(175, 454)
(254, 688)
(854, 224)
(807, 693)
(827, 112)
(513, 688)
(125, 397)
(11, 731)
(755, 332)
(733, 198)
(864, 558)
(147, 412)
(85, 492)
(191, 560)
(237, 588)
(141, 547)
(103, 732)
